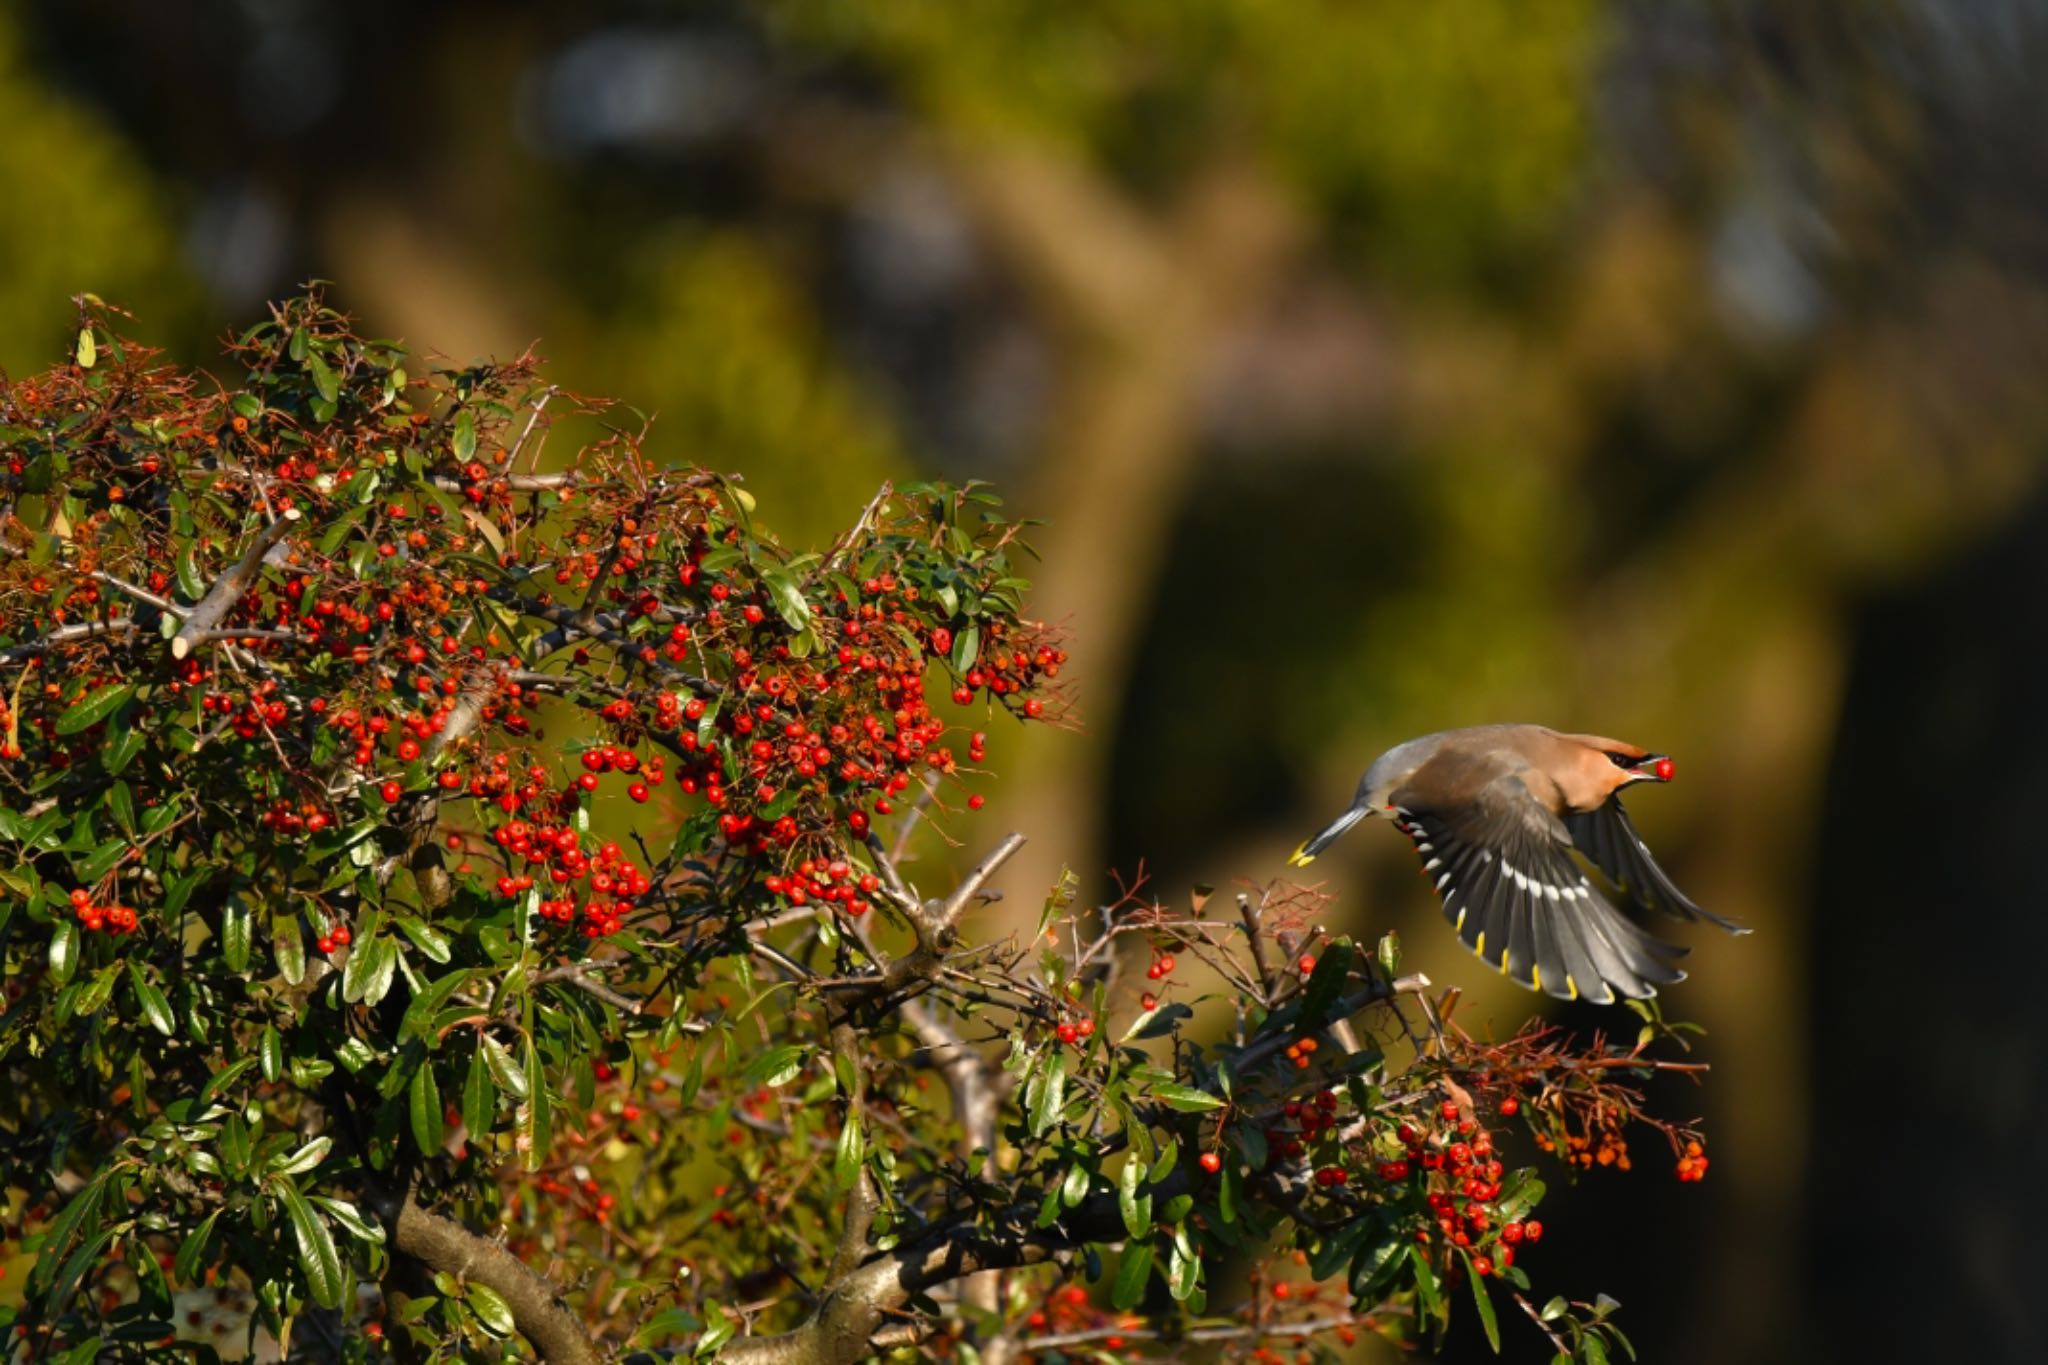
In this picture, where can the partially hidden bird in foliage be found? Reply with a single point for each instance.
(1496, 812)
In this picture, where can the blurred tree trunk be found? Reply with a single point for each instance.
(1138, 309)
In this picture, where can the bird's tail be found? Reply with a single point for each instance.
(1327, 835)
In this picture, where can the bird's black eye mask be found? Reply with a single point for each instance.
(1650, 767)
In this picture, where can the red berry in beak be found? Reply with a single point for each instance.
(1664, 770)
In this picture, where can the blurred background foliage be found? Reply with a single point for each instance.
(1672, 370)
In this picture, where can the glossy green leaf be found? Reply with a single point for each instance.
(97, 992)
(788, 597)
(538, 1128)
(1483, 1301)
(155, 1007)
(120, 750)
(288, 947)
(1186, 1098)
(1132, 1275)
(479, 1097)
(847, 1156)
(306, 1158)
(777, 1066)
(122, 803)
(317, 1256)
(94, 707)
(236, 930)
(490, 1308)
(1051, 1096)
(424, 1105)
(190, 1265)
(429, 940)
(1127, 1201)
(325, 381)
(509, 1076)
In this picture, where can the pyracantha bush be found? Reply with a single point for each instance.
(447, 913)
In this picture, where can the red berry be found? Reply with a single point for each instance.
(390, 791)
(1211, 1162)
(1510, 1107)
(976, 801)
(638, 791)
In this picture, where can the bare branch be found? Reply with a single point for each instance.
(440, 1243)
(229, 587)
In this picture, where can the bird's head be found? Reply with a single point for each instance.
(1641, 767)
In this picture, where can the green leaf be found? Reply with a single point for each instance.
(1390, 954)
(1075, 1188)
(367, 977)
(428, 940)
(1325, 984)
(236, 926)
(788, 597)
(325, 383)
(424, 1101)
(120, 750)
(97, 991)
(306, 1158)
(1592, 1350)
(94, 707)
(190, 1264)
(966, 648)
(419, 1015)
(1132, 1275)
(479, 1097)
(270, 1050)
(122, 803)
(88, 351)
(225, 1077)
(317, 1255)
(1183, 1271)
(1483, 1301)
(1127, 1199)
(1186, 1098)
(510, 1078)
(288, 947)
(1051, 1096)
(351, 1219)
(155, 1007)
(776, 1067)
(1427, 1297)
(539, 1130)
(717, 1331)
(489, 1306)
(846, 1160)
(64, 951)
(191, 582)
(464, 439)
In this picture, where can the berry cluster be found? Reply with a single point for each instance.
(1453, 1165)
(113, 919)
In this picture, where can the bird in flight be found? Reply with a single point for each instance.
(1496, 811)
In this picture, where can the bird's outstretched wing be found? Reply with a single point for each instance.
(1502, 862)
(1609, 838)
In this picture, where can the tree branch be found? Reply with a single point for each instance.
(538, 1312)
(229, 587)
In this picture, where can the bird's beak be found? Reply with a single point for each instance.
(1652, 768)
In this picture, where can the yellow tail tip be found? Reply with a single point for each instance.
(1301, 857)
